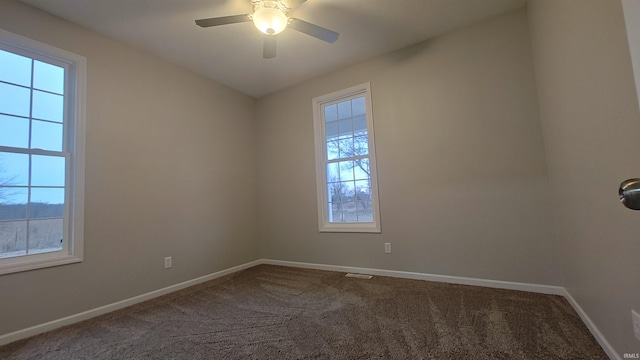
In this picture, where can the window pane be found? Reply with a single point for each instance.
(346, 170)
(346, 148)
(46, 135)
(46, 203)
(13, 203)
(48, 77)
(335, 210)
(363, 191)
(351, 190)
(13, 238)
(363, 201)
(344, 110)
(346, 128)
(14, 169)
(14, 100)
(332, 150)
(14, 131)
(47, 170)
(331, 113)
(45, 235)
(333, 172)
(361, 170)
(48, 106)
(349, 210)
(360, 146)
(360, 125)
(331, 130)
(364, 211)
(337, 192)
(357, 106)
(15, 68)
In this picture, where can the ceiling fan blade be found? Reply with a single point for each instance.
(293, 3)
(314, 30)
(269, 50)
(222, 20)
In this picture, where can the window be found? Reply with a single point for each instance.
(41, 154)
(345, 161)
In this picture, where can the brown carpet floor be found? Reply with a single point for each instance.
(273, 312)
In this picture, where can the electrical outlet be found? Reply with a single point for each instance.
(167, 262)
(387, 248)
(636, 323)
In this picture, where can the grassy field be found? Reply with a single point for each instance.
(43, 235)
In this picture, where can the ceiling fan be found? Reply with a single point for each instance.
(270, 17)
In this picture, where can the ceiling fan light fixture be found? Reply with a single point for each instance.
(270, 20)
(270, 17)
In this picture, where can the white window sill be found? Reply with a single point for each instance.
(350, 228)
(38, 263)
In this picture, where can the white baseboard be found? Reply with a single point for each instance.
(608, 349)
(543, 289)
(52, 325)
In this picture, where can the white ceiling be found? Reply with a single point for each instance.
(232, 54)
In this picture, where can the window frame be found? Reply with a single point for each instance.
(322, 160)
(73, 150)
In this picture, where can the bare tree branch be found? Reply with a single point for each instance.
(5, 191)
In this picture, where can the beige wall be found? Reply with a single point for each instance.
(462, 177)
(591, 125)
(170, 171)
(631, 10)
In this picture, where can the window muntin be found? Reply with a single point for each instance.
(41, 154)
(347, 186)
